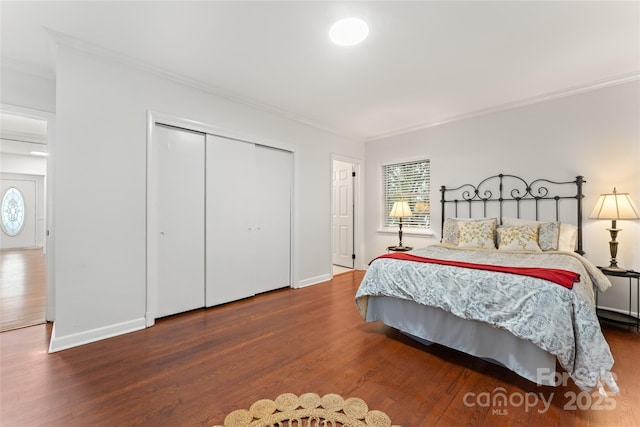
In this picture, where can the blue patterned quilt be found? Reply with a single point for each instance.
(561, 321)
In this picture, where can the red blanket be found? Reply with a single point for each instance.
(561, 277)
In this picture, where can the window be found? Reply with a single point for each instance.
(410, 182)
(12, 212)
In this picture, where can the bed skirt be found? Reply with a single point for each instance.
(433, 325)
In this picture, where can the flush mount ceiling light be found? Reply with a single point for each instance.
(349, 31)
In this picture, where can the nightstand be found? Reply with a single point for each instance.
(399, 248)
(614, 316)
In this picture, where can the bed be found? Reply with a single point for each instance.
(507, 283)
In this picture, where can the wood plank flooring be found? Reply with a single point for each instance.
(23, 281)
(193, 369)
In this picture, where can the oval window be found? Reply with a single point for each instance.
(12, 212)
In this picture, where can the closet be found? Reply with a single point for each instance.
(223, 219)
(180, 213)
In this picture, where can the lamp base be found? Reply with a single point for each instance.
(399, 248)
(613, 268)
(613, 249)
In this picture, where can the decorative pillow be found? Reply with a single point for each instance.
(548, 236)
(549, 232)
(477, 234)
(519, 238)
(450, 233)
(451, 228)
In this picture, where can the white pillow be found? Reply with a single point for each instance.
(568, 240)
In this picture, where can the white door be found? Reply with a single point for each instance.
(272, 210)
(231, 227)
(342, 214)
(18, 216)
(180, 220)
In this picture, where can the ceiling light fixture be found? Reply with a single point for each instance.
(38, 153)
(349, 31)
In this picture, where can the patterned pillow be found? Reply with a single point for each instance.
(548, 236)
(450, 232)
(519, 238)
(451, 228)
(477, 234)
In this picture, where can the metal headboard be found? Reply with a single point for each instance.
(504, 191)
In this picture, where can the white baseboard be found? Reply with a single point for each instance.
(617, 310)
(93, 335)
(313, 280)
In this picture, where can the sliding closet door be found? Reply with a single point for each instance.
(231, 229)
(180, 217)
(273, 218)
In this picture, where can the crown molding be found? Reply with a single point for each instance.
(563, 93)
(104, 53)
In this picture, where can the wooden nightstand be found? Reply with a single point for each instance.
(614, 316)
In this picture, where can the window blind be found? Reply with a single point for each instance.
(411, 182)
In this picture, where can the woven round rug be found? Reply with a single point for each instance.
(308, 409)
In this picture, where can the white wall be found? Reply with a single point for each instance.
(27, 90)
(595, 134)
(16, 163)
(100, 184)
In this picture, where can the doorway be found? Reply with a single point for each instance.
(343, 215)
(24, 299)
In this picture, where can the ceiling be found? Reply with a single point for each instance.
(424, 62)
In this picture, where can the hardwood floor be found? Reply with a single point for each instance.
(23, 281)
(193, 369)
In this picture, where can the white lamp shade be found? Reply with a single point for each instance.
(615, 206)
(400, 209)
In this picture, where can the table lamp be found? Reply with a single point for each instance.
(614, 206)
(400, 210)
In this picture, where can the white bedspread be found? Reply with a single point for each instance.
(556, 319)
